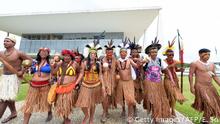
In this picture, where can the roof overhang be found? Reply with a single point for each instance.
(133, 22)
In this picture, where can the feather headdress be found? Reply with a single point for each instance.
(124, 45)
(154, 44)
(92, 47)
(134, 45)
(110, 45)
(170, 46)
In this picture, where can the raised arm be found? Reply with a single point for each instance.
(24, 56)
(133, 64)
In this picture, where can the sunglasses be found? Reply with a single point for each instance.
(170, 54)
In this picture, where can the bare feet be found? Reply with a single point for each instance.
(107, 115)
(67, 121)
(173, 113)
(12, 116)
(103, 119)
(49, 116)
(85, 119)
(123, 114)
(91, 119)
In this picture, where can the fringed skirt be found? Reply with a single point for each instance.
(138, 86)
(89, 96)
(9, 85)
(155, 100)
(36, 100)
(65, 103)
(125, 91)
(207, 100)
(173, 93)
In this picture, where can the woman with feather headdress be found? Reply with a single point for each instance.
(172, 90)
(92, 88)
(109, 74)
(155, 98)
(125, 87)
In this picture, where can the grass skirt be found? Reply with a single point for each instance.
(125, 91)
(138, 90)
(155, 100)
(36, 100)
(207, 100)
(173, 93)
(65, 103)
(9, 85)
(89, 96)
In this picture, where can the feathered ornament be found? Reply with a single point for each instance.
(110, 45)
(170, 46)
(93, 47)
(154, 44)
(124, 45)
(134, 45)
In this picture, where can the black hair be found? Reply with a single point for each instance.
(169, 50)
(88, 65)
(38, 58)
(204, 50)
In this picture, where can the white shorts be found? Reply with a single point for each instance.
(9, 85)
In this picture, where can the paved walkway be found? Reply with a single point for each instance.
(77, 116)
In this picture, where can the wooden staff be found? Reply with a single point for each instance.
(180, 44)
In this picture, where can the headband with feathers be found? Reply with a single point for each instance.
(110, 45)
(93, 47)
(154, 44)
(134, 45)
(124, 45)
(170, 46)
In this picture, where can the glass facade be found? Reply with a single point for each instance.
(68, 41)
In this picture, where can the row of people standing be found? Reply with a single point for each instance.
(109, 81)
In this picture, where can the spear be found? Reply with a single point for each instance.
(180, 44)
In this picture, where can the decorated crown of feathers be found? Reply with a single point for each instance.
(95, 46)
(170, 46)
(110, 45)
(133, 45)
(124, 44)
(154, 44)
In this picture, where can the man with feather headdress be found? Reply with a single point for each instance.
(125, 87)
(135, 50)
(109, 73)
(173, 91)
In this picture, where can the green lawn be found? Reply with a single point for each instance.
(22, 92)
(185, 108)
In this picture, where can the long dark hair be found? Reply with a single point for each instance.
(38, 58)
(88, 65)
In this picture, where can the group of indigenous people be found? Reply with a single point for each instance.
(127, 80)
